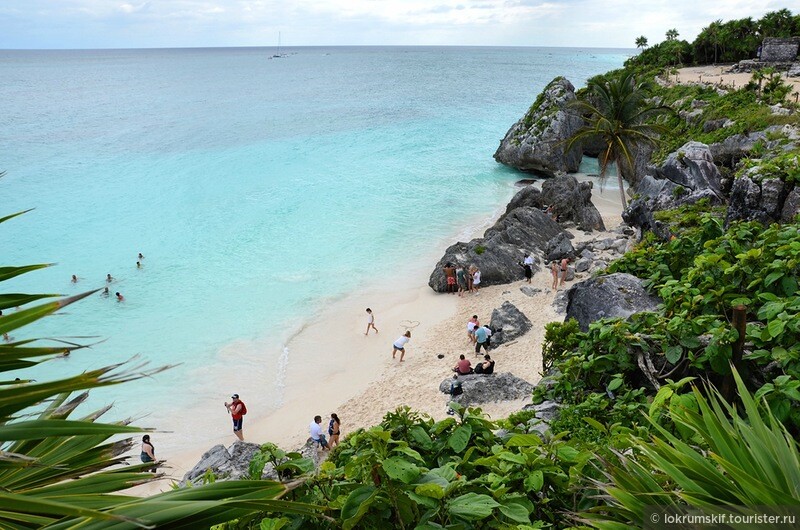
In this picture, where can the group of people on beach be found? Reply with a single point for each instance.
(461, 279)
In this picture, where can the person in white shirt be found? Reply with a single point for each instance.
(400, 345)
(315, 428)
(528, 260)
(370, 321)
(476, 280)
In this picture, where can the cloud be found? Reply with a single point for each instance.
(132, 23)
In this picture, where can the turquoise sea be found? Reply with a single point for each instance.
(257, 188)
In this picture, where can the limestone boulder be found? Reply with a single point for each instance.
(509, 324)
(226, 464)
(492, 388)
(572, 201)
(538, 142)
(558, 248)
(614, 295)
(498, 253)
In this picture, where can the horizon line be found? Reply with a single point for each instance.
(268, 46)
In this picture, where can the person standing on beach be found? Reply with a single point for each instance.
(481, 340)
(461, 279)
(450, 276)
(400, 345)
(554, 271)
(476, 280)
(237, 410)
(564, 267)
(528, 271)
(334, 429)
(370, 321)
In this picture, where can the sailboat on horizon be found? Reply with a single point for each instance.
(278, 54)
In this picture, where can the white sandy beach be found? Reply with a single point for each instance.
(718, 75)
(333, 367)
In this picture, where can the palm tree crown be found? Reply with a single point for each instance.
(618, 113)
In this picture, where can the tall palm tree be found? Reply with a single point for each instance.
(672, 34)
(641, 42)
(618, 113)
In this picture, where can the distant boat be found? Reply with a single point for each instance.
(278, 54)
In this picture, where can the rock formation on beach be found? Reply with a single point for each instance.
(614, 295)
(572, 201)
(479, 388)
(538, 142)
(523, 229)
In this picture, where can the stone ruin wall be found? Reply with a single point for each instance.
(779, 50)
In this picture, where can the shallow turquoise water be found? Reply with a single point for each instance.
(255, 188)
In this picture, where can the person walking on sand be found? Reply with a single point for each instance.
(315, 430)
(461, 279)
(148, 452)
(450, 276)
(476, 280)
(564, 267)
(400, 345)
(370, 321)
(334, 429)
(237, 409)
(554, 271)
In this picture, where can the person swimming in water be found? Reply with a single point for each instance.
(105, 293)
(74, 279)
(120, 298)
(109, 278)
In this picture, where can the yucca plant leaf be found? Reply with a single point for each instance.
(7, 273)
(7, 217)
(37, 429)
(19, 299)
(24, 317)
(27, 505)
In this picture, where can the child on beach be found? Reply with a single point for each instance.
(370, 321)
(400, 345)
(472, 324)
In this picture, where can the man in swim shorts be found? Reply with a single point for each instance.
(237, 409)
(450, 275)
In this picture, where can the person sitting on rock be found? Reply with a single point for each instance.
(463, 366)
(486, 367)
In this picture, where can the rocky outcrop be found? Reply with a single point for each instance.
(767, 200)
(509, 324)
(687, 176)
(498, 253)
(572, 201)
(529, 196)
(538, 142)
(614, 295)
(233, 463)
(558, 248)
(732, 149)
(226, 464)
(479, 389)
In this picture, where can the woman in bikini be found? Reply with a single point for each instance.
(564, 266)
(334, 429)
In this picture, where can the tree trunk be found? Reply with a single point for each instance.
(621, 182)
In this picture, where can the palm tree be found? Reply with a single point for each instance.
(617, 112)
(641, 42)
(672, 34)
(58, 472)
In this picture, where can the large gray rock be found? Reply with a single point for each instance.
(745, 202)
(529, 196)
(572, 201)
(488, 388)
(614, 295)
(226, 464)
(538, 142)
(498, 253)
(558, 248)
(791, 206)
(511, 321)
(692, 167)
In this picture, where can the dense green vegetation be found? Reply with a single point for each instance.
(719, 42)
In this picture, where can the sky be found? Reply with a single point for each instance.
(65, 24)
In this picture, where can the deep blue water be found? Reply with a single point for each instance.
(256, 188)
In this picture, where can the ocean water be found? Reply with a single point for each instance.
(258, 189)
